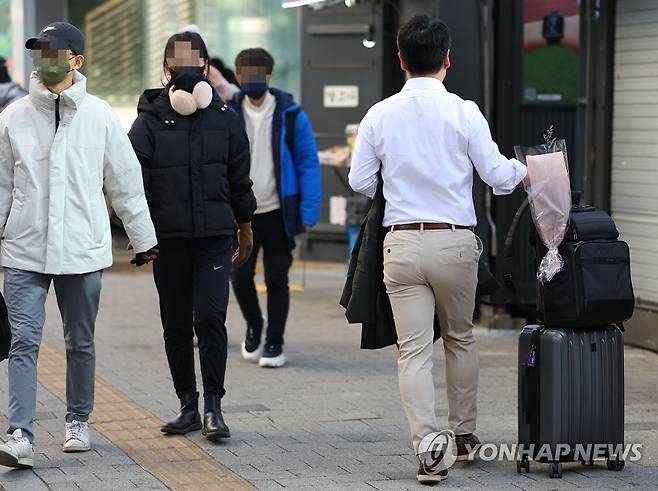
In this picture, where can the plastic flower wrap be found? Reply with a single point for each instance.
(549, 194)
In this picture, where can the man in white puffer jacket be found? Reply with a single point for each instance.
(59, 148)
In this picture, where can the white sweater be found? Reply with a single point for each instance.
(258, 121)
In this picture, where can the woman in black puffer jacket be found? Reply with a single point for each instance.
(195, 161)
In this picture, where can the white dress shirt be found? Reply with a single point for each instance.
(427, 141)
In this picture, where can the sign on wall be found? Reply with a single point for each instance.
(341, 96)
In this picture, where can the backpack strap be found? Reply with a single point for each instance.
(509, 268)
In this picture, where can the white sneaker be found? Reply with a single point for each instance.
(17, 451)
(251, 356)
(273, 356)
(77, 437)
(252, 348)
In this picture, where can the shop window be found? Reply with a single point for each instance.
(126, 38)
(551, 30)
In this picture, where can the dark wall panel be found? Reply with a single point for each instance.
(333, 54)
(340, 59)
(465, 75)
(466, 79)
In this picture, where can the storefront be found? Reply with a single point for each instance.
(125, 39)
(634, 178)
(589, 68)
(612, 122)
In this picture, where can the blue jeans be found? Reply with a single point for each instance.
(77, 297)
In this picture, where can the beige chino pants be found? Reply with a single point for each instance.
(424, 272)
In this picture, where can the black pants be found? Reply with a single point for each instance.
(192, 278)
(270, 235)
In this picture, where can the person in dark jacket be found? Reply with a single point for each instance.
(9, 91)
(286, 174)
(195, 160)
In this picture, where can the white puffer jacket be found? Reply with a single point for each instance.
(53, 217)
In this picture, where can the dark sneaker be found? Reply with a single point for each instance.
(251, 346)
(272, 356)
(467, 445)
(425, 477)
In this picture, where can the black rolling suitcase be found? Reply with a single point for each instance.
(571, 397)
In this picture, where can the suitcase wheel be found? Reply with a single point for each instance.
(523, 464)
(556, 470)
(615, 464)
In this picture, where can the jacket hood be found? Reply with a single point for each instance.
(147, 101)
(71, 97)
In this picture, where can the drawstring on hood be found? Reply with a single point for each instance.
(57, 113)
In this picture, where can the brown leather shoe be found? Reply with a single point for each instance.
(425, 477)
(467, 446)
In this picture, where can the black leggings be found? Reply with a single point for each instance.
(192, 278)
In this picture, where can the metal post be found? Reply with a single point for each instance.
(27, 18)
(22, 14)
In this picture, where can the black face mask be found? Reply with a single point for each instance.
(186, 77)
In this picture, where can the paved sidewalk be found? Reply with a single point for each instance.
(331, 419)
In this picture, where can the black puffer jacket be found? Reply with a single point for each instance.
(196, 168)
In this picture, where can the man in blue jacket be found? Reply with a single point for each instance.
(286, 175)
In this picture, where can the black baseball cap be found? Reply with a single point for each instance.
(58, 35)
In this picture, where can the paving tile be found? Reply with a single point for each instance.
(331, 419)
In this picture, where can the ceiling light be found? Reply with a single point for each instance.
(369, 40)
(298, 3)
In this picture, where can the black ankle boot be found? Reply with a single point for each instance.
(188, 418)
(214, 426)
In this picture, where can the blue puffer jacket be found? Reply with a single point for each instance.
(297, 168)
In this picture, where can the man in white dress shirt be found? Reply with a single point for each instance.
(427, 142)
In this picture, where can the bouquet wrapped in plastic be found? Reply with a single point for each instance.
(549, 195)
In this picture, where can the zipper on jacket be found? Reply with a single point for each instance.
(56, 114)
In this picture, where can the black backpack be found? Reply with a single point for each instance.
(595, 287)
(5, 331)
